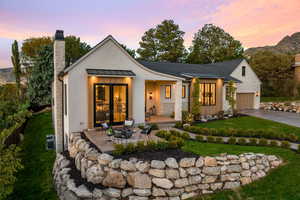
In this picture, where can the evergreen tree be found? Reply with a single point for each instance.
(129, 51)
(15, 59)
(212, 44)
(39, 86)
(75, 49)
(163, 43)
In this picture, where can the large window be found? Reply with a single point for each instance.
(208, 94)
(168, 92)
(183, 91)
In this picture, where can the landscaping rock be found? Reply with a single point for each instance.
(142, 192)
(210, 162)
(112, 192)
(138, 180)
(172, 174)
(187, 162)
(95, 174)
(127, 165)
(163, 183)
(231, 185)
(158, 164)
(171, 162)
(126, 192)
(104, 159)
(179, 183)
(142, 166)
(212, 171)
(114, 179)
(157, 173)
(158, 192)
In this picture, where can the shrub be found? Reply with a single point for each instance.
(232, 140)
(200, 138)
(150, 145)
(219, 140)
(130, 148)
(141, 126)
(185, 135)
(285, 144)
(211, 139)
(178, 125)
(163, 134)
(253, 141)
(119, 149)
(161, 145)
(274, 143)
(140, 146)
(242, 141)
(298, 148)
(154, 126)
(187, 117)
(263, 142)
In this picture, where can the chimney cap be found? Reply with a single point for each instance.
(59, 35)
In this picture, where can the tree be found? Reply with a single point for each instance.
(129, 51)
(212, 44)
(163, 43)
(75, 49)
(275, 72)
(231, 96)
(39, 87)
(15, 59)
(196, 106)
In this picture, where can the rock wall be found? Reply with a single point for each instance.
(284, 107)
(140, 180)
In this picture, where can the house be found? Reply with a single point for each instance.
(7, 76)
(107, 84)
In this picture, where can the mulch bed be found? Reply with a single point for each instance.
(158, 155)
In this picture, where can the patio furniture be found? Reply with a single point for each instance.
(146, 131)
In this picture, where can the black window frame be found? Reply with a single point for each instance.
(211, 98)
(184, 91)
(244, 71)
(166, 86)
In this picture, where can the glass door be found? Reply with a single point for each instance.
(102, 104)
(111, 103)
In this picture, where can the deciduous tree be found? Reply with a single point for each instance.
(212, 44)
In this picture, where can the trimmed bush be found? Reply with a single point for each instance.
(252, 141)
(154, 126)
(298, 148)
(140, 146)
(232, 140)
(285, 144)
(178, 125)
(119, 149)
(185, 135)
(242, 141)
(273, 143)
(211, 139)
(219, 140)
(263, 142)
(200, 138)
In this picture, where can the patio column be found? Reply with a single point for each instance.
(178, 100)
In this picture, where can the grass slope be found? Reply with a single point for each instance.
(35, 180)
(248, 122)
(279, 99)
(282, 183)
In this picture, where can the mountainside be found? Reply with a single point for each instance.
(289, 44)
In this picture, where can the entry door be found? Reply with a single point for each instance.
(111, 103)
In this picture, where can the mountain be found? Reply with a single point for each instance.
(289, 44)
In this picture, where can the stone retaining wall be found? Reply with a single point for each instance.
(284, 107)
(169, 179)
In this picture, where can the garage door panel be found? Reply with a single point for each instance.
(245, 101)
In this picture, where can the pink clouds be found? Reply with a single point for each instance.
(259, 22)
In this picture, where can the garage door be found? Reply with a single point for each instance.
(244, 101)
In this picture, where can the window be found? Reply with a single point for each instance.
(183, 91)
(65, 93)
(243, 71)
(208, 94)
(168, 92)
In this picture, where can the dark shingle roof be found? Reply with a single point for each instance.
(214, 70)
(108, 72)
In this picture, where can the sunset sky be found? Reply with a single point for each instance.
(253, 22)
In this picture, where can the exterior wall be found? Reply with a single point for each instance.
(92, 80)
(210, 110)
(108, 56)
(250, 82)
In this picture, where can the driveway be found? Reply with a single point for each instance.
(292, 119)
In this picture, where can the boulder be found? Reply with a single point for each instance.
(174, 192)
(214, 171)
(234, 168)
(182, 173)
(127, 165)
(142, 192)
(83, 192)
(115, 164)
(112, 192)
(158, 164)
(95, 174)
(114, 179)
(187, 162)
(231, 185)
(210, 162)
(139, 180)
(157, 173)
(158, 192)
(126, 192)
(171, 163)
(195, 179)
(163, 183)
(209, 179)
(216, 186)
(104, 159)
(179, 183)
(142, 166)
(193, 170)
(245, 180)
(199, 162)
(172, 174)
(97, 193)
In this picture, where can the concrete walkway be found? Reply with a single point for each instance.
(292, 119)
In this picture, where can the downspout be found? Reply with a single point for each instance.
(60, 78)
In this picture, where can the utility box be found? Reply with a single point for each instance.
(50, 142)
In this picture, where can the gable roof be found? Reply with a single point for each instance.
(213, 70)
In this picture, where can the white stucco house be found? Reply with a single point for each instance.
(108, 85)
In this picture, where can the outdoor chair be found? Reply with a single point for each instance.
(147, 131)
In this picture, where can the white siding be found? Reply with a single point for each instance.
(250, 82)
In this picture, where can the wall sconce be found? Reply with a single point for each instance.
(257, 94)
(150, 95)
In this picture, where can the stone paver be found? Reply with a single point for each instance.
(289, 118)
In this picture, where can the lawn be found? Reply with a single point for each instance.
(35, 180)
(248, 122)
(279, 99)
(282, 183)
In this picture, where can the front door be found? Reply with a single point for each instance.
(110, 103)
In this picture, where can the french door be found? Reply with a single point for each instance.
(110, 103)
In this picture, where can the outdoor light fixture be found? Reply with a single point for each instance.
(257, 94)
(150, 95)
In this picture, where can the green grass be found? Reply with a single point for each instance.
(248, 122)
(279, 99)
(35, 180)
(280, 184)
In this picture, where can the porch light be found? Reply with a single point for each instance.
(150, 95)
(257, 94)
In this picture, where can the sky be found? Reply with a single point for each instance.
(253, 22)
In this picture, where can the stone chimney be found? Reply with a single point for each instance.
(59, 65)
